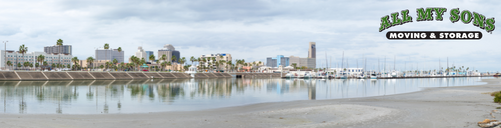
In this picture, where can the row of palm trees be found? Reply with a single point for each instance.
(228, 65)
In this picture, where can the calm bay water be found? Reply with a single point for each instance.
(142, 96)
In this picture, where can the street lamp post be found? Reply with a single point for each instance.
(5, 54)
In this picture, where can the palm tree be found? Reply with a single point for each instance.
(9, 63)
(74, 60)
(182, 60)
(119, 49)
(174, 58)
(115, 61)
(222, 62)
(143, 61)
(90, 60)
(192, 59)
(40, 59)
(132, 60)
(152, 58)
(106, 46)
(23, 49)
(59, 43)
(210, 65)
(164, 57)
(228, 64)
(169, 64)
(205, 61)
(162, 65)
(122, 64)
(106, 65)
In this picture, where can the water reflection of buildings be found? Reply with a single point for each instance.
(109, 96)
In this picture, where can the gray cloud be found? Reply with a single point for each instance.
(251, 29)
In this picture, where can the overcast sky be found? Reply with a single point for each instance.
(251, 29)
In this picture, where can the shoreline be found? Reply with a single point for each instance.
(459, 106)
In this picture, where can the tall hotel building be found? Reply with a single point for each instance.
(65, 49)
(169, 51)
(109, 54)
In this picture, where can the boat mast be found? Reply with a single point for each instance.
(378, 67)
(394, 62)
(342, 62)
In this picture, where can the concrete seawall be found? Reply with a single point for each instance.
(78, 75)
(75, 75)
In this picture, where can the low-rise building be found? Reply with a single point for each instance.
(212, 58)
(95, 64)
(348, 71)
(300, 62)
(15, 57)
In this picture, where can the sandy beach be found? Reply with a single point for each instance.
(430, 108)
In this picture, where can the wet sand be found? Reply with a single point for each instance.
(432, 107)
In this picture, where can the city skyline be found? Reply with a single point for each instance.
(251, 30)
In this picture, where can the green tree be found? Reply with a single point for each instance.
(90, 60)
(294, 65)
(9, 63)
(106, 47)
(115, 61)
(59, 43)
(23, 49)
(26, 64)
(74, 60)
(228, 64)
(163, 64)
(174, 58)
(40, 59)
(169, 64)
(152, 58)
(182, 61)
(192, 59)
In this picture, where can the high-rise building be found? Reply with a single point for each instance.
(312, 50)
(148, 54)
(280, 60)
(110, 54)
(64, 49)
(141, 54)
(169, 51)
